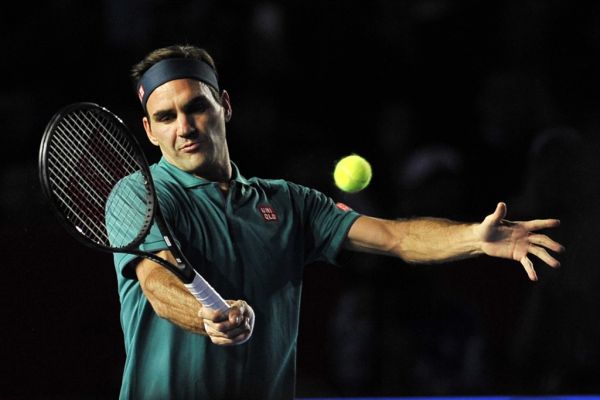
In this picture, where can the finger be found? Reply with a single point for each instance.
(235, 336)
(223, 326)
(241, 338)
(234, 333)
(537, 224)
(212, 315)
(528, 265)
(230, 334)
(221, 341)
(543, 255)
(212, 331)
(237, 321)
(545, 241)
(237, 312)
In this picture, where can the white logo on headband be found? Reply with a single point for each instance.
(141, 93)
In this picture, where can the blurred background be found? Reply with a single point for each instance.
(457, 104)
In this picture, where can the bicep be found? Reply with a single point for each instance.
(372, 235)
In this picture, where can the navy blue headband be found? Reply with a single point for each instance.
(174, 68)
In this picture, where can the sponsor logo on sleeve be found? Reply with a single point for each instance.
(343, 207)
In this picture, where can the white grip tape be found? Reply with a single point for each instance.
(206, 294)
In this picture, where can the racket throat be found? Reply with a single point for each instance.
(178, 259)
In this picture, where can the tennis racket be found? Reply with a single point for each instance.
(95, 175)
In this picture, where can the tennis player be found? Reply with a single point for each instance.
(251, 238)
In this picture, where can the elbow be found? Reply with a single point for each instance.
(394, 248)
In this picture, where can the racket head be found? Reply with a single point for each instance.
(93, 171)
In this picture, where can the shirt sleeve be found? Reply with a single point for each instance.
(125, 262)
(326, 224)
(126, 211)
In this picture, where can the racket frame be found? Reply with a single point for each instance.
(183, 268)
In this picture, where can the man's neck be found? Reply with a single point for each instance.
(221, 175)
(224, 186)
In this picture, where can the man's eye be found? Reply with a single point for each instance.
(198, 107)
(164, 117)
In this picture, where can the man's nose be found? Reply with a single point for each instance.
(186, 125)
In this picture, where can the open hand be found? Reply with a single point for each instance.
(516, 240)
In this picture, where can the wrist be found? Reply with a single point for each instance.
(475, 230)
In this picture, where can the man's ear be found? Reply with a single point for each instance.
(226, 104)
(148, 130)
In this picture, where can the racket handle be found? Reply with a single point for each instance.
(206, 294)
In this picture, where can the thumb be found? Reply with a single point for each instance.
(500, 213)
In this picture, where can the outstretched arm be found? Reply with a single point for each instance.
(434, 240)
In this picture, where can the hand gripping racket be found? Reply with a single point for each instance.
(95, 175)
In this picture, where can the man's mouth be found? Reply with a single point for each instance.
(190, 146)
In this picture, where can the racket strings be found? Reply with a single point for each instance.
(95, 176)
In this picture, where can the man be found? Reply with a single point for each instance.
(251, 239)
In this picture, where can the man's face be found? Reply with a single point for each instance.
(188, 125)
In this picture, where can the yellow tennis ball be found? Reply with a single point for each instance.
(352, 173)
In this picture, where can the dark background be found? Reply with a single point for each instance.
(457, 104)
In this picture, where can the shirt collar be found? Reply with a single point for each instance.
(188, 180)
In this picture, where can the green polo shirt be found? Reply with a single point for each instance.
(250, 244)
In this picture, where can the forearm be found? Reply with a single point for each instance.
(171, 300)
(420, 240)
(430, 240)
